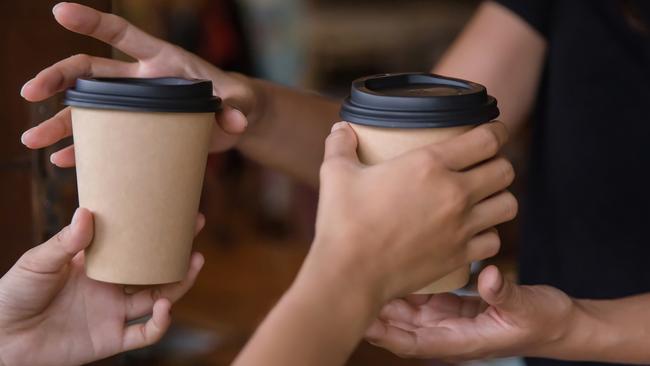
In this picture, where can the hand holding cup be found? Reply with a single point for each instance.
(388, 229)
(153, 58)
(51, 313)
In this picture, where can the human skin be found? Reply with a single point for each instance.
(52, 314)
(279, 121)
(507, 319)
(357, 253)
(270, 124)
(512, 320)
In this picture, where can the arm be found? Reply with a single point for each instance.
(501, 51)
(497, 49)
(512, 320)
(288, 128)
(362, 256)
(318, 321)
(608, 331)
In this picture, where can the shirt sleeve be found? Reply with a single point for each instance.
(537, 13)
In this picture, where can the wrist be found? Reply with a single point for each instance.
(341, 277)
(582, 331)
(557, 332)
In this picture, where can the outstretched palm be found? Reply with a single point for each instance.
(504, 321)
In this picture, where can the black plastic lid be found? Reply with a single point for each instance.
(417, 100)
(139, 94)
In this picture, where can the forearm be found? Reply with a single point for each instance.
(288, 129)
(319, 321)
(607, 331)
(501, 51)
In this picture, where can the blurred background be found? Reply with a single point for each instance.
(259, 222)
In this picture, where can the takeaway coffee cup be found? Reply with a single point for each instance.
(394, 113)
(141, 147)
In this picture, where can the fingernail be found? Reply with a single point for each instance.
(52, 157)
(338, 125)
(24, 135)
(56, 6)
(22, 90)
(75, 217)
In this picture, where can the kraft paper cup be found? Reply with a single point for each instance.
(395, 113)
(141, 156)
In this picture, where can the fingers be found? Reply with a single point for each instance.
(417, 299)
(484, 245)
(63, 74)
(497, 291)
(49, 132)
(140, 303)
(57, 252)
(492, 212)
(472, 147)
(64, 158)
(145, 334)
(200, 223)
(397, 340)
(341, 143)
(231, 123)
(399, 311)
(108, 28)
(429, 310)
(489, 178)
(438, 342)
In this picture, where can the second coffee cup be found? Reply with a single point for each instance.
(394, 113)
(140, 148)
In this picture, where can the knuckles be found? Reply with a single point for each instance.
(118, 30)
(80, 58)
(454, 198)
(492, 245)
(491, 142)
(507, 171)
(28, 257)
(431, 172)
(427, 160)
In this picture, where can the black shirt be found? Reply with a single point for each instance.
(586, 216)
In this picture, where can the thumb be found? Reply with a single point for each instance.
(341, 143)
(497, 291)
(232, 121)
(55, 253)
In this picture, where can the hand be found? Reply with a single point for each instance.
(153, 58)
(508, 320)
(52, 314)
(392, 228)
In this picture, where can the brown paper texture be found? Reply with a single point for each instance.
(377, 144)
(141, 174)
